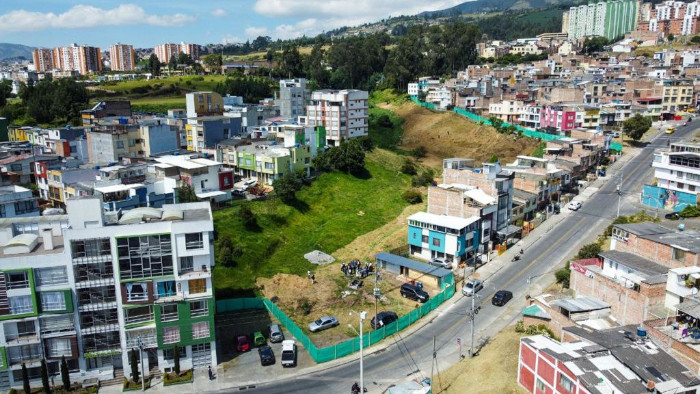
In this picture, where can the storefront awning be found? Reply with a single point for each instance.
(508, 231)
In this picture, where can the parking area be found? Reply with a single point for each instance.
(245, 366)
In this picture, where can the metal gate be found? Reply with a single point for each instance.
(201, 355)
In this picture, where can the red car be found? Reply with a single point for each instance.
(242, 343)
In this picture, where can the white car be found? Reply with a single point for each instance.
(250, 183)
(574, 205)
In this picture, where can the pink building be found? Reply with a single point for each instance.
(561, 118)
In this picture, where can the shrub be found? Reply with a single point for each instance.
(420, 152)
(305, 306)
(563, 276)
(172, 378)
(248, 218)
(690, 211)
(589, 251)
(412, 197)
(519, 326)
(409, 167)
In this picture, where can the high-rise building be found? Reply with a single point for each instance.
(672, 17)
(89, 59)
(122, 57)
(165, 51)
(343, 113)
(293, 98)
(190, 49)
(92, 287)
(81, 58)
(43, 60)
(610, 19)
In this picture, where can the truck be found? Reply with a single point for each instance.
(289, 353)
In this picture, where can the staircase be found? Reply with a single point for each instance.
(155, 373)
(117, 380)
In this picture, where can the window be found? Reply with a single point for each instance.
(51, 276)
(16, 167)
(269, 166)
(21, 304)
(171, 334)
(136, 292)
(678, 254)
(3, 212)
(145, 256)
(138, 315)
(120, 144)
(540, 386)
(57, 347)
(200, 330)
(169, 355)
(168, 312)
(16, 280)
(53, 301)
(436, 242)
(186, 264)
(166, 289)
(198, 286)
(425, 239)
(91, 248)
(566, 383)
(193, 241)
(23, 207)
(199, 308)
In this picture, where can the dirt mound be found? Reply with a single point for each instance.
(446, 134)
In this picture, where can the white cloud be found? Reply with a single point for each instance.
(255, 32)
(219, 12)
(85, 16)
(368, 10)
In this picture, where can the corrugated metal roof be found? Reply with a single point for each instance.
(534, 310)
(581, 304)
(413, 264)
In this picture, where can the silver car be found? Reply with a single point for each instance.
(440, 262)
(472, 287)
(323, 323)
(276, 334)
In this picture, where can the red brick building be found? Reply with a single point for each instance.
(667, 247)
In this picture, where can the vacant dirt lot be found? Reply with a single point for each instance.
(446, 134)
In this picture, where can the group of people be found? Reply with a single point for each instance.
(356, 269)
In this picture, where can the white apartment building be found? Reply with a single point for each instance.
(681, 283)
(87, 285)
(677, 172)
(530, 116)
(441, 97)
(507, 110)
(293, 98)
(343, 113)
(165, 51)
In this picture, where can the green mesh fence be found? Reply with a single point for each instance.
(350, 346)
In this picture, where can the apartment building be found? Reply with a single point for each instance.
(122, 57)
(104, 110)
(64, 296)
(205, 132)
(610, 19)
(266, 162)
(165, 51)
(667, 247)
(677, 95)
(453, 238)
(344, 114)
(677, 173)
(672, 17)
(43, 59)
(293, 98)
(209, 179)
(17, 201)
(465, 202)
(561, 118)
(193, 50)
(81, 58)
(112, 143)
(491, 179)
(59, 184)
(203, 104)
(507, 110)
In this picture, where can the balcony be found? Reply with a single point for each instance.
(30, 336)
(148, 338)
(24, 354)
(171, 337)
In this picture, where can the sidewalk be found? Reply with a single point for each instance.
(223, 382)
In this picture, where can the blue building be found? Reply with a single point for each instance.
(125, 197)
(439, 236)
(16, 201)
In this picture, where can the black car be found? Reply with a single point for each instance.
(267, 357)
(414, 292)
(501, 297)
(383, 318)
(672, 216)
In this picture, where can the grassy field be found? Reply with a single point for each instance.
(494, 370)
(159, 105)
(335, 210)
(206, 82)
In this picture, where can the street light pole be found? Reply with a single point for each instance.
(619, 195)
(362, 315)
(143, 377)
(472, 314)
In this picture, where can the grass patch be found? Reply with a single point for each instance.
(385, 128)
(193, 82)
(130, 385)
(157, 104)
(337, 209)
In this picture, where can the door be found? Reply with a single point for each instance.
(152, 355)
(201, 355)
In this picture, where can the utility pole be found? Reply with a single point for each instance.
(143, 377)
(471, 314)
(619, 195)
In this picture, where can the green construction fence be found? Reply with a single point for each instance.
(527, 132)
(350, 346)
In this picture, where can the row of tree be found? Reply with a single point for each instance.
(47, 101)
(65, 377)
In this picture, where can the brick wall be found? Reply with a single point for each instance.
(556, 323)
(449, 202)
(657, 252)
(469, 178)
(627, 305)
(681, 351)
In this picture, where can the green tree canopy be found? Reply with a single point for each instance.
(636, 126)
(153, 65)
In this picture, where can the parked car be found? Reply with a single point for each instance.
(383, 318)
(242, 343)
(672, 216)
(323, 323)
(472, 287)
(556, 208)
(414, 292)
(267, 356)
(259, 339)
(276, 335)
(670, 130)
(501, 297)
(289, 353)
(574, 205)
(250, 183)
(440, 262)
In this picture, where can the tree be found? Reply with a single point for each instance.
(186, 193)
(45, 377)
(134, 362)
(636, 126)
(290, 64)
(671, 37)
(65, 376)
(184, 59)
(5, 91)
(589, 251)
(496, 123)
(176, 359)
(595, 44)
(25, 380)
(226, 251)
(287, 186)
(349, 157)
(563, 275)
(172, 64)
(493, 158)
(213, 62)
(153, 65)
(695, 40)
(248, 218)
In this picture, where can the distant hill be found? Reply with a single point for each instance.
(15, 50)
(486, 6)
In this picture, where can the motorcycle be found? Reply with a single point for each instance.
(516, 257)
(356, 389)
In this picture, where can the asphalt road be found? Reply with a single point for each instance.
(411, 357)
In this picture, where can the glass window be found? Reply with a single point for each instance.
(136, 292)
(566, 383)
(166, 289)
(169, 355)
(51, 276)
(198, 286)
(186, 264)
(194, 241)
(199, 308)
(21, 304)
(57, 347)
(678, 254)
(436, 242)
(16, 280)
(145, 256)
(540, 386)
(168, 312)
(200, 330)
(171, 334)
(53, 301)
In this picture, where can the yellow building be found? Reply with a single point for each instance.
(677, 95)
(18, 133)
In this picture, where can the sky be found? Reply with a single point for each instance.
(146, 23)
